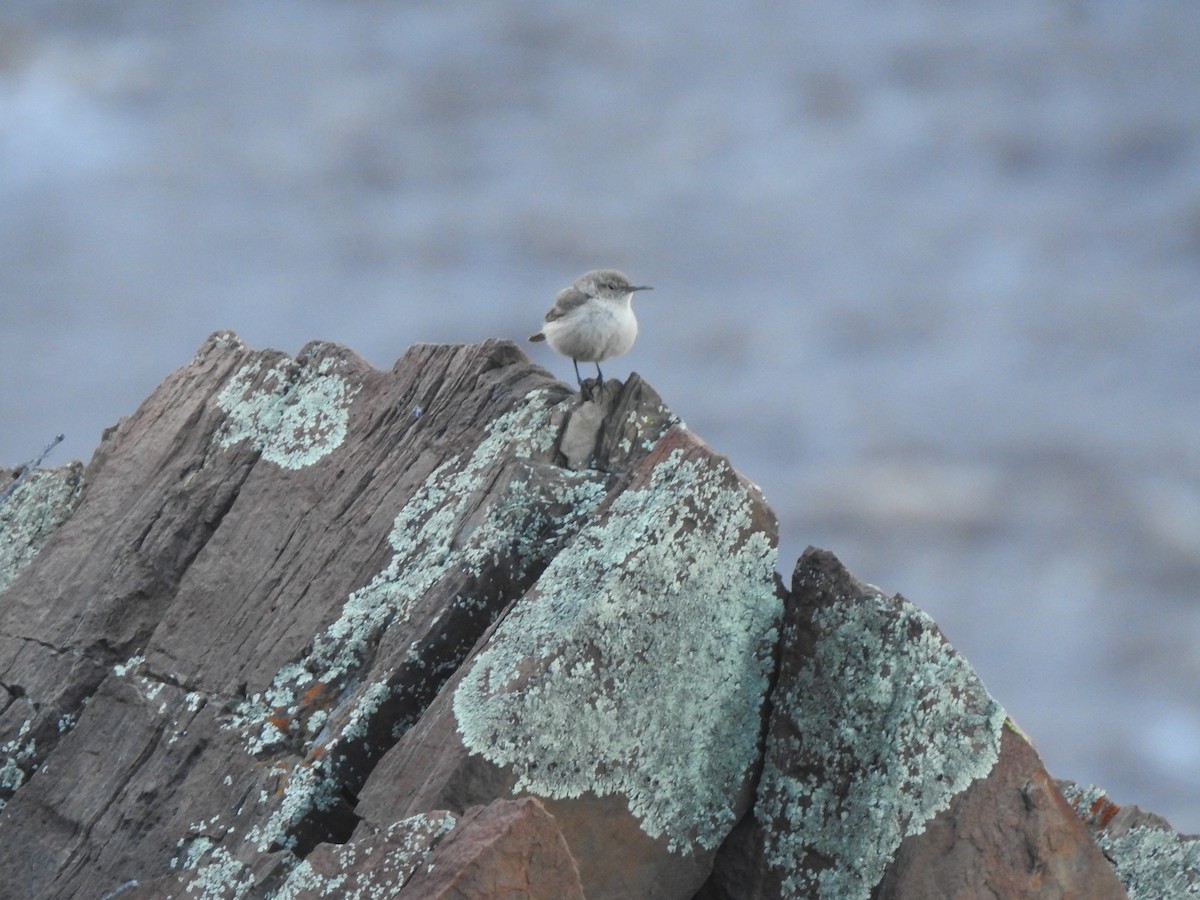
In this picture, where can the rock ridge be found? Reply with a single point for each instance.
(306, 628)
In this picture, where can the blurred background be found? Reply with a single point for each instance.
(927, 271)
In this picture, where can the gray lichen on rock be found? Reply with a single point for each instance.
(294, 413)
(1152, 860)
(32, 513)
(428, 542)
(309, 621)
(886, 724)
(421, 538)
(18, 754)
(1154, 863)
(425, 529)
(379, 870)
(649, 639)
(215, 873)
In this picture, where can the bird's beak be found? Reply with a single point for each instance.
(641, 287)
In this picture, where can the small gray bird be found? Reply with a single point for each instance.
(592, 320)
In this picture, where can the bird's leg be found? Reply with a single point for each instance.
(600, 378)
(579, 378)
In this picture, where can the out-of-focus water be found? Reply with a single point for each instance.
(928, 272)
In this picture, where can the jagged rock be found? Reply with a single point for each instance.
(1011, 831)
(1152, 860)
(625, 689)
(277, 565)
(302, 626)
(889, 771)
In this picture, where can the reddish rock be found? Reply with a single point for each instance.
(507, 850)
(1011, 834)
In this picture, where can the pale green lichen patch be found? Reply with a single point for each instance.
(875, 733)
(439, 531)
(373, 872)
(371, 869)
(216, 873)
(1152, 862)
(422, 538)
(426, 530)
(19, 756)
(32, 513)
(640, 666)
(130, 666)
(309, 788)
(294, 414)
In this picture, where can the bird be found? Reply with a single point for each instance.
(592, 320)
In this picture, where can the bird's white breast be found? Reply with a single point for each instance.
(594, 332)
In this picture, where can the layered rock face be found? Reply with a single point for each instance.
(303, 628)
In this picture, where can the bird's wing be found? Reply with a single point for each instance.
(567, 300)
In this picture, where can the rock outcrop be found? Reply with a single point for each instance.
(303, 628)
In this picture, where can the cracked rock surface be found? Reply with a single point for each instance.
(305, 628)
